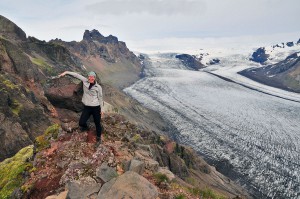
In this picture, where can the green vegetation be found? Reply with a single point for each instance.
(159, 177)
(210, 194)
(15, 107)
(8, 84)
(180, 196)
(42, 65)
(191, 181)
(43, 141)
(116, 110)
(195, 191)
(11, 171)
(136, 137)
(206, 193)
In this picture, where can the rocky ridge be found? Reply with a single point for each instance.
(190, 61)
(107, 56)
(284, 75)
(130, 162)
(262, 55)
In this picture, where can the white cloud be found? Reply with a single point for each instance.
(152, 7)
(148, 20)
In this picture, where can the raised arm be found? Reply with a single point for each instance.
(78, 76)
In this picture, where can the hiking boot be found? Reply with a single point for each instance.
(97, 143)
(98, 139)
(84, 129)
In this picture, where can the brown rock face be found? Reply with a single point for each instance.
(65, 94)
(21, 120)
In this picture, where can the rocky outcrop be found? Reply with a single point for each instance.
(55, 54)
(22, 116)
(63, 93)
(214, 61)
(107, 56)
(25, 65)
(284, 75)
(9, 30)
(289, 44)
(15, 61)
(190, 61)
(260, 56)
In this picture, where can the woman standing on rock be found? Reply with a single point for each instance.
(91, 99)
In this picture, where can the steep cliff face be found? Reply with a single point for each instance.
(25, 65)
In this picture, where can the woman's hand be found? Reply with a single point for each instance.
(62, 74)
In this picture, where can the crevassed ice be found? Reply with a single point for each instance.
(257, 133)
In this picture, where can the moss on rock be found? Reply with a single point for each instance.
(43, 141)
(16, 107)
(11, 171)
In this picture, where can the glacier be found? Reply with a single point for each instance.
(257, 133)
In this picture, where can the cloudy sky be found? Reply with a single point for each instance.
(158, 25)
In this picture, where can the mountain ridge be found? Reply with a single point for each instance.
(27, 111)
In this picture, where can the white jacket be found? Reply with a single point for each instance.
(92, 97)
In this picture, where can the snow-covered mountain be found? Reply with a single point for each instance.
(284, 74)
(281, 58)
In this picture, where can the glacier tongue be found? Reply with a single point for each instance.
(258, 134)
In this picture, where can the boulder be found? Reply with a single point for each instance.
(178, 166)
(145, 156)
(167, 172)
(128, 185)
(62, 195)
(136, 166)
(82, 188)
(106, 173)
(63, 93)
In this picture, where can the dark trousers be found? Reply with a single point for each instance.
(85, 115)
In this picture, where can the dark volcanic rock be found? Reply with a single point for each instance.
(62, 93)
(10, 30)
(259, 56)
(18, 62)
(95, 35)
(190, 61)
(298, 42)
(21, 120)
(284, 75)
(214, 61)
(290, 44)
